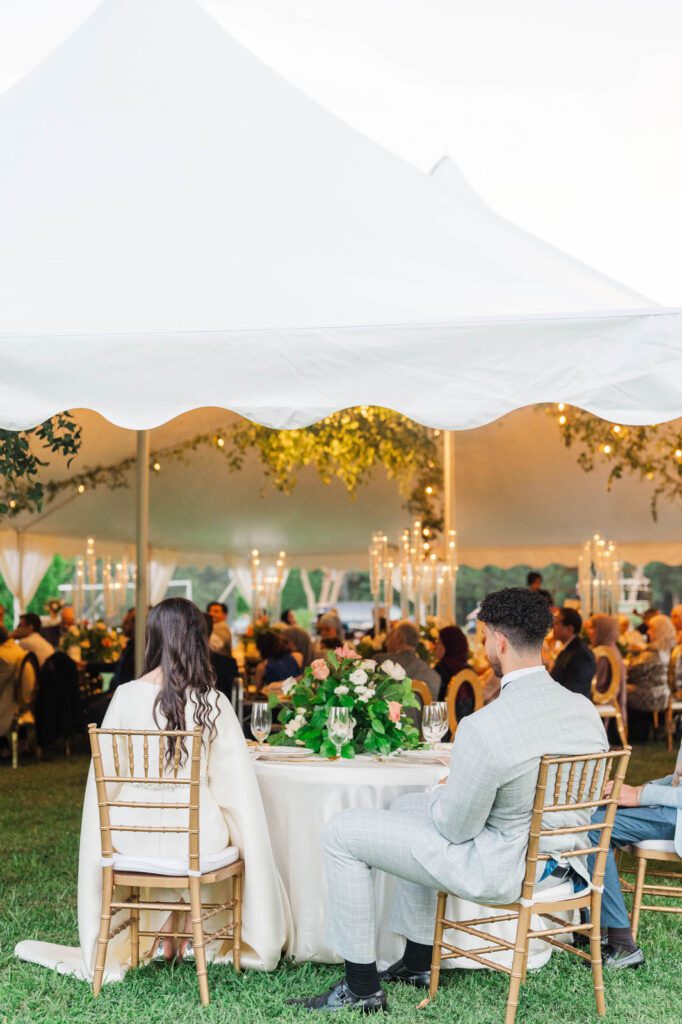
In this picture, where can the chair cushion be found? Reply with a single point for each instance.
(606, 710)
(174, 866)
(661, 845)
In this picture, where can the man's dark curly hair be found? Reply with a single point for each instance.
(524, 616)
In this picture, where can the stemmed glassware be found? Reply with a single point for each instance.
(339, 727)
(434, 722)
(261, 723)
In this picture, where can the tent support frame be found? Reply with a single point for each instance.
(142, 537)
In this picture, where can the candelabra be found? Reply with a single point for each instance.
(599, 577)
(88, 585)
(381, 566)
(427, 573)
(267, 586)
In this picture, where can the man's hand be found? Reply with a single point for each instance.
(629, 795)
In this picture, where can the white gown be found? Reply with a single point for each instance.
(231, 814)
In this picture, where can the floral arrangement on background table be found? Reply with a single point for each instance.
(376, 695)
(96, 642)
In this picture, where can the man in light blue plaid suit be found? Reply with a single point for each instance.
(470, 835)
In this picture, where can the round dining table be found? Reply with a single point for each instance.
(300, 797)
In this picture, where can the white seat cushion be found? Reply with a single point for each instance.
(606, 710)
(677, 705)
(172, 866)
(660, 845)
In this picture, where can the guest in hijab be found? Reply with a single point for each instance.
(648, 686)
(452, 654)
(603, 631)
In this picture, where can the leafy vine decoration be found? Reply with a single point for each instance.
(654, 453)
(348, 445)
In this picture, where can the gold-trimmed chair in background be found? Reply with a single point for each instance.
(121, 871)
(422, 691)
(608, 702)
(565, 784)
(675, 700)
(466, 675)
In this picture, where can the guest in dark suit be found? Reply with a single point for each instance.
(575, 666)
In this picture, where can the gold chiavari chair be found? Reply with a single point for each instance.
(578, 785)
(675, 700)
(608, 702)
(422, 691)
(467, 675)
(663, 851)
(116, 869)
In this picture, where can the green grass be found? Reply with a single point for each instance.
(40, 808)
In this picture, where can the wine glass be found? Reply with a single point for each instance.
(339, 727)
(434, 722)
(261, 722)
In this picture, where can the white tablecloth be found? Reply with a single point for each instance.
(299, 799)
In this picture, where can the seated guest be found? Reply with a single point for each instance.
(648, 685)
(224, 665)
(277, 662)
(645, 616)
(452, 654)
(301, 645)
(534, 583)
(468, 836)
(220, 638)
(603, 632)
(176, 691)
(675, 618)
(330, 632)
(629, 639)
(124, 671)
(401, 647)
(27, 634)
(651, 811)
(575, 666)
(17, 680)
(288, 617)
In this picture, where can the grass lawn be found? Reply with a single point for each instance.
(40, 807)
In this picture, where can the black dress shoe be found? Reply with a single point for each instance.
(615, 958)
(340, 997)
(398, 972)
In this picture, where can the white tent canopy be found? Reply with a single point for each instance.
(180, 228)
(521, 499)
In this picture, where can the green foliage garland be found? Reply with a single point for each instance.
(347, 445)
(654, 453)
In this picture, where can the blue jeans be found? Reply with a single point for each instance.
(632, 825)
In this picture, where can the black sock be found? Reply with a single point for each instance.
(622, 937)
(417, 957)
(363, 979)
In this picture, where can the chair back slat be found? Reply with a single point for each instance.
(577, 786)
(190, 787)
(422, 691)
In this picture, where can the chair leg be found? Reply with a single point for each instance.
(135, 932)
(520, 954)
(437, 940)
(237, 888)
(637, 898)
(198, 938)
(655, 717)
(14, 743)
(104, 928)
(669, 725)
(595, 954)
(621, 728)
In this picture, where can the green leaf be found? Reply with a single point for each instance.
(378, 726)
(327, 749)
(348, 751)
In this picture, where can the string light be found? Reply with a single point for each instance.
(616, 428)
(562, 420)
(429, 489)
(678, 453)
(12, 503)
(221, 442)
(81, 488)
(156, 467)
(606, 449)
(561, 406)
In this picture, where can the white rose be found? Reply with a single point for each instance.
(292, 727)
(288, 685)
(369, 665)
(392, 669)
(341, 690)
(359, 677)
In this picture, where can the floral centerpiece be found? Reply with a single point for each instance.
(96, 642)
(377, 696)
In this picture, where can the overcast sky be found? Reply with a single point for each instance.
(565, 115)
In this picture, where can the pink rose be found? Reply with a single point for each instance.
(346, 652)
(320, 669)
(394, 709)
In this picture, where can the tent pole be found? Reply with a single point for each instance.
(142, 581)
(448, 481)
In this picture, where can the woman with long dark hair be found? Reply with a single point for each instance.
(177, 691)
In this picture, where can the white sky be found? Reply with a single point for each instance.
(565, 115)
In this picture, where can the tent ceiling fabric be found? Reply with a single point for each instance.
(183, 228)
(521, 499)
